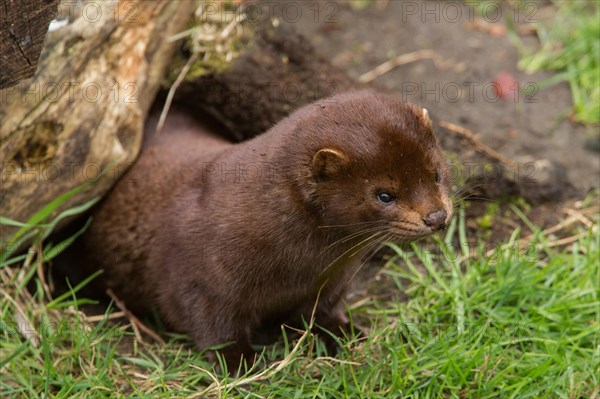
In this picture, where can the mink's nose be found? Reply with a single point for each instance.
(436, 220)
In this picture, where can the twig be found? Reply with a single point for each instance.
(196, 37)
(181, 35)
(492, 371)
(40, 271)
(564, 241)
(550, 244)
(334, 360)
(24, 326)
(272, 369)
(28, 260)
(216, 385)
(553, 229)
(396, 62)
(100, 317)
(233, 24)
(472, 138)
(172, 90)
(360, 302)
(580, 216)
(135, 322)
(17, 278)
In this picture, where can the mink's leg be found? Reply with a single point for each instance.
(335, 321)
(331, 323)
(233, 334)
(238, 356)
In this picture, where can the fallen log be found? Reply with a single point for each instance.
(85, 107)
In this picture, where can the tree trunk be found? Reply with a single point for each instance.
(85, 107)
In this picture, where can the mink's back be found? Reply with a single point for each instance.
(127, 222)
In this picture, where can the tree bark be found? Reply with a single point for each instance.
(23, 27)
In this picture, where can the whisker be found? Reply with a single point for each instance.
(353, 235)
(370, 253)
(472, 198)
(366, 248)
(470, 185)
(353, 224)
(350, 249)
(403, 223)
(465, 195)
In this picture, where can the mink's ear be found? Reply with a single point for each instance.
(425, 117)
(328, 162)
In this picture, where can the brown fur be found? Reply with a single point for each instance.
(223, 238)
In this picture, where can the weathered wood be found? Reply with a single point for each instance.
(86, 105)
(23, 27)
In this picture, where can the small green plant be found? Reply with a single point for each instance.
(514, 320)
(571, 48)
(360, 4)
(486, 220)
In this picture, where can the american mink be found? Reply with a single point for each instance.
(224, 238)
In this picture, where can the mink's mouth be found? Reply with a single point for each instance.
(409, 237)
(410, 233)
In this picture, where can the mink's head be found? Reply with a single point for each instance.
(374, 167)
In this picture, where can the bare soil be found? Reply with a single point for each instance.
(474, 48)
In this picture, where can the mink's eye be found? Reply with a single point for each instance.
(437, 176)
(386, 198)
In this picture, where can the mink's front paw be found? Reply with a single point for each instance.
(237, 359)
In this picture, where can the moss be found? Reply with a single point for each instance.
(486, 221)
(214, 57)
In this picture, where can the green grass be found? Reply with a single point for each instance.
(569, 46)
(520, 322)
